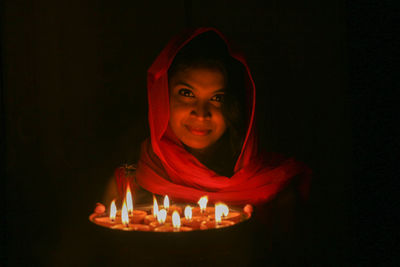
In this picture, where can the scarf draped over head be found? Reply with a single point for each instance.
(165, 167)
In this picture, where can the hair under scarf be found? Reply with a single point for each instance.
(165, 167)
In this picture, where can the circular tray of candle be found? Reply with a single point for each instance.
(226, 245)
(142, 220)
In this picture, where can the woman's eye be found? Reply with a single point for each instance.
(186, 93)
(218, 98)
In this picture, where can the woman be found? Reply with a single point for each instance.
(202, 121)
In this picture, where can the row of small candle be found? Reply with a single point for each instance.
(201, 217)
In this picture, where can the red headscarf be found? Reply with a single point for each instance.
(166, 168)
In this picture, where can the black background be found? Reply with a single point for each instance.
(74, 107)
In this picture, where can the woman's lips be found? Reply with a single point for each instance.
(198, 131)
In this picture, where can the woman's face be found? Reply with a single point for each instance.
(196, 96)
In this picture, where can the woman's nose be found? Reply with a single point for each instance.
(201, 110)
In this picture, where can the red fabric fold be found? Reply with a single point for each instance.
(166, 168)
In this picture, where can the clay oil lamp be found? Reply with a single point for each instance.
(126, 225)
(162, 220)
(220, 209)
(171, 208)
(110, 220)
(168, 218)
(153, 216)
(202, 209)
(233, 216)
(192, 221)
(177, 224)
(136, 216)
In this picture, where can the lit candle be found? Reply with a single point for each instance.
(203, 203)
(113, 211)
(166, 202)
(176, 221)
(218, 214)
(223, 209)
(162, 216)
(108, 220)
(155, 207)
(137, 216)
(125, 216)
(160, 225)
(160, 220)
(225, 213)
(190, 220)
(153, 216)
(129, 201)
(188, 213)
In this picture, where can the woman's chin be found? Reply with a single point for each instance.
(197, 146)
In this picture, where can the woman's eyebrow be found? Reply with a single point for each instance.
(184, 84)
(222, 90)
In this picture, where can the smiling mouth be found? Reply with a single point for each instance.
(198, 131)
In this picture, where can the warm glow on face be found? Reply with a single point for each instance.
(166, 202)
(129, 202)
(188, 213)
(125, 216)
(162, 216)
(113, 210)
(155, 207)
(196, 116)
(203, 203)
(222, 209)
(176, 220)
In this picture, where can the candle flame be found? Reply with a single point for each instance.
(176, 220)
(166, 202)
(218, 214)
(125, 216)
(203, 203)
(188, 213)
(129, 199)
(113, 211)
(222, 209)
(162, 216)
(155, 207)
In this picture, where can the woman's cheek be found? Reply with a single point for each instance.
(221, 124)
(179, 110)
(219, 118)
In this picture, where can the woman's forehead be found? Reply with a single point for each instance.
(199, 77)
